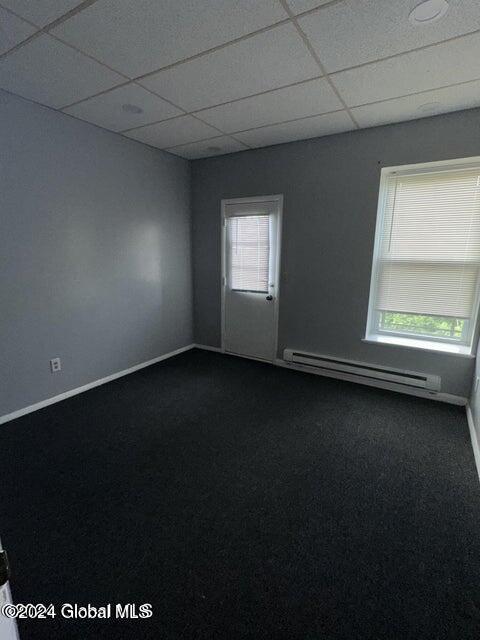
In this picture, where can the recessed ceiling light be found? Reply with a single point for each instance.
(429, 107)
(214, 149)
(429, 11)
(132, 108)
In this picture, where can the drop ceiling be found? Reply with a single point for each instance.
(205, 77)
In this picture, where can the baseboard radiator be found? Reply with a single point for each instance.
(372, 372)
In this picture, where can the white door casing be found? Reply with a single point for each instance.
(251, 227)
(8, 626)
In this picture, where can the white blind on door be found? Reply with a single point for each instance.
(249, 252)
(429, 255)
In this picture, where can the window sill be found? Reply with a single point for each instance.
(425, 345)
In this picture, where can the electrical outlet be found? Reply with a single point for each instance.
(55, 365)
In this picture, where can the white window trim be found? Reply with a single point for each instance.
(427, 343)
(424, 345)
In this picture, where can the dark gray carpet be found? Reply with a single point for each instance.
(245, 501)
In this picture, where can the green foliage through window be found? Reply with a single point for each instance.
(420, 325)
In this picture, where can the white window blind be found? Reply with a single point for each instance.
(428, 254)
(249, 252)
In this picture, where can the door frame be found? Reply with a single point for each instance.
(10, 622)
(278, 199)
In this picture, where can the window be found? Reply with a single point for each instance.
(425, 276)
(249, 247)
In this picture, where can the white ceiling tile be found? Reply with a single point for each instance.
(207, 148)
(107, 110)
(298, 6)
(265, 61)
(353, 32)
(141, 36)
(173, 132)
(298, 130)
(431, 103)
(47, 71)
(431, 68)
(307, 99)
(41, 12)
(12, 30)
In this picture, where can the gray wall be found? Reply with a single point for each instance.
(94, 252)
(331, 187)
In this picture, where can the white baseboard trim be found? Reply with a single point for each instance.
(391, 386)
(206, 347)
(474, 439)
(90, 385)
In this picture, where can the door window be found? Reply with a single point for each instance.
(249, 251)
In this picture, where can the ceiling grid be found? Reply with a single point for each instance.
(209, 78)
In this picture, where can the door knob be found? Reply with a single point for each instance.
(269, 298)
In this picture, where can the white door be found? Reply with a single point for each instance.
(8, 627)
(250, 279)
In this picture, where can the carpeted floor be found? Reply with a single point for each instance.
(244, 501)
